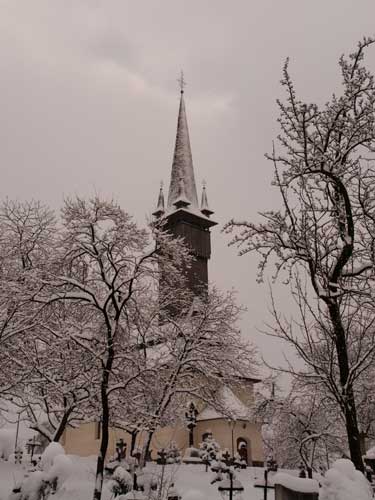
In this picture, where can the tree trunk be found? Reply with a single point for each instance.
(347, 395)
(133, 441)
(61, 428)
(104, 428)
(146, 448)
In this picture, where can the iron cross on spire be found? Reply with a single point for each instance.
(182, 82)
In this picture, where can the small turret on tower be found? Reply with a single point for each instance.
(205, 209)
(160, 210)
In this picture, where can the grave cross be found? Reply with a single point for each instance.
(226, 457)
(163, 456)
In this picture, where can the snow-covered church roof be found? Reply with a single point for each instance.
(233, 407)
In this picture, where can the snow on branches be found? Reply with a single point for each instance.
(325, 230)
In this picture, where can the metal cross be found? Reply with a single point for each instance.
(182, 82)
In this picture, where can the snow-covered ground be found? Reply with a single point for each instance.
(187, 479)
(342, 481)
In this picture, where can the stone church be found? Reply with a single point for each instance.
(184, 216)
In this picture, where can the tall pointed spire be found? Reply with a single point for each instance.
(182, 167)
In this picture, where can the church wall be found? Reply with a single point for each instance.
(222, 432)
(84, 440)
(165, 435)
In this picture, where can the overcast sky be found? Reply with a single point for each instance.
(89, 101)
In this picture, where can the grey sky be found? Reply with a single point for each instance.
(89, 100)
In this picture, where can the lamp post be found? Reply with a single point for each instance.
(232, 423)
(17, 431)
(191, 418)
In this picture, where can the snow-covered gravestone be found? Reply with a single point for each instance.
(194, 495)
(343, 482)
(287, 487)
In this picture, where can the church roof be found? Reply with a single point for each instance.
(182, 167)
(233, 407)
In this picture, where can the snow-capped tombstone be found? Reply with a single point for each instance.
(194, 495)
(288, 486)
(192, 456)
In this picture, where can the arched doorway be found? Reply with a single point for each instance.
(243, 449)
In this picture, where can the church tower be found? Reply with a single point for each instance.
(184, 216)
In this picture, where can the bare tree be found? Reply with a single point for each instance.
(325, 228)
(103, 262)
(300, 427)
(200, 352)
(61, 385)
(26, 234)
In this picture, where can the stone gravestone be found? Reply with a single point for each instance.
(289, 487)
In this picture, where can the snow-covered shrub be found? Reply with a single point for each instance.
(33, 486)
(7, 438)
(343, 482)
(148, 482)
(121, 482)
(49, 454)
(15, 493)
(209, 449)
(61, 469)
(173, 453)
